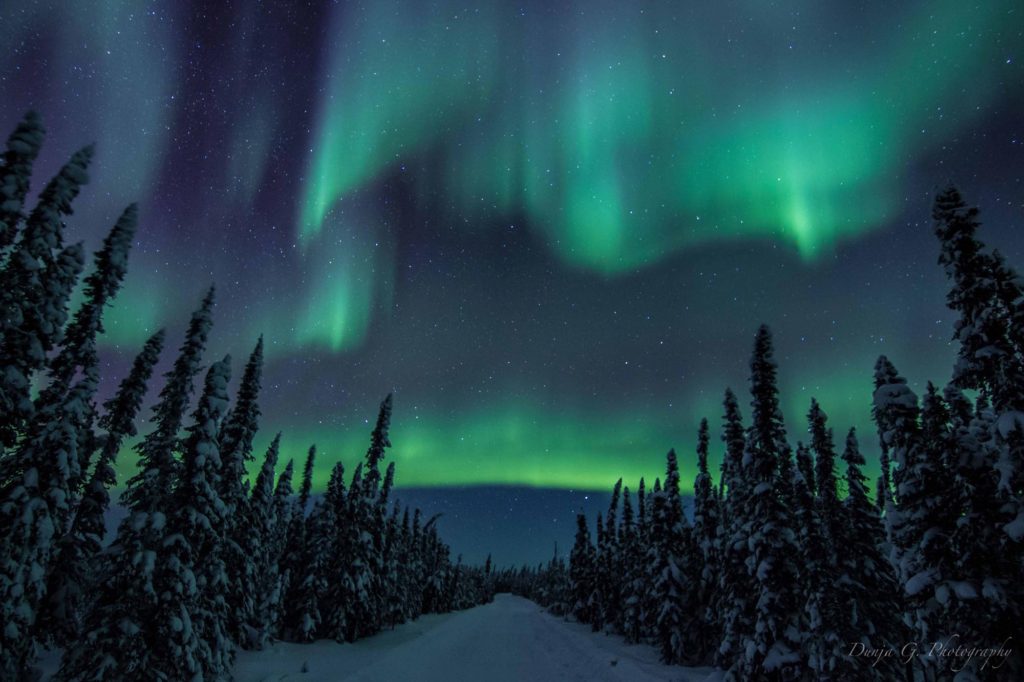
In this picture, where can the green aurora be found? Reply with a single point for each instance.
(550, 228)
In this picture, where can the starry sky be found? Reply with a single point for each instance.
(550, 228)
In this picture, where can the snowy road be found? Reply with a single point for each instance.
(509, 640)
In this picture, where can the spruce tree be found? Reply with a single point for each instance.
(706, 544)
(305, 554)
(737, 593)
(260, 527)
(236, 438)
(825, 485)
(581, 572)
(73, 569)
(773, 646)
(378, 444)
(897, 415)
(669, 573)
(632, 575)
(117, 639)
(78, 346)
(984, 603)
(869, 587)
(37, 512)
(20, 153)
(191, 638)
(151, 486)
(35, 285)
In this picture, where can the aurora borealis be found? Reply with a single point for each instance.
(550, 228)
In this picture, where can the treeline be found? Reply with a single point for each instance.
(788, 569)
(203, 562)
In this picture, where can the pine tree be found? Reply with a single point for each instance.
(897, 416)
(668, 572)
(151, 486)
(305, 554)
(117, 639)
(581, 572)
(35, 285)
(15, 173)
(38, 511)
(737, 594)
(706, 542)
(984, 601)
(260, 529)
(773, 646)
(73, 569)
(191, 638)
(78, 347)
(988, 297)
(632, 575)
(984, 294)
(378, 444)
(236, 438)
(284, 507)
(596, 600)
(869, 586)
(610, 556)
(825, 484)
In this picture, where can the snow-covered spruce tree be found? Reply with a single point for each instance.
(235, 439)
(707, 549)
(581, 571)
(600, 576)
(416, 568)
(985, 605)
(737, 594)
(191, 639)
(825, 485)
(35, 285)
(897, 416)
(151, 486)
(378, 445)
(831, 519)
(310, 543)
(284, 507)
(654, 502)
(772, 648)
(260, 528)
(73, 570)
(385, 546)
(805, 468)
(988, 296)
(339, 603)
(117, 640)
(632, 574)
(393, 556)
(373, 514)
(668, 588)
(609, 585)
(436, 565)
(20, 153)
(37, 511)
(820, 639)
(78, 345)
(869, 584)
(984, 293)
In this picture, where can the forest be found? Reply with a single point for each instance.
(203, 563)
(789, 566)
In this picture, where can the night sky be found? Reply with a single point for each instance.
(550, 228)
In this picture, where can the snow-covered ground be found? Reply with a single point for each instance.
(511, 639)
